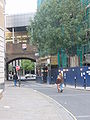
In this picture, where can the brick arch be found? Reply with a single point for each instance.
(15, 51)
(20, 58)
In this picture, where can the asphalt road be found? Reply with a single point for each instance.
(76, 101)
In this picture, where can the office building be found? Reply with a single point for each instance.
(16, 26)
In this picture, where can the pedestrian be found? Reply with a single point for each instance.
(15, 78)
(60, 82)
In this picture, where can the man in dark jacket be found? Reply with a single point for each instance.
(15, 77)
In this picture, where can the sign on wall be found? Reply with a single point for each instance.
(24, 46)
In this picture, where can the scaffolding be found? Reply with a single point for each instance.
(80, 55)
(81, 50)
(64, 58)
(86, 3)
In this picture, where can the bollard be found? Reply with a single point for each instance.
(19, 82)
(75, 81)
(65, 81)
(84, 82)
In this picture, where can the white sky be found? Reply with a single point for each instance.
(20, 6)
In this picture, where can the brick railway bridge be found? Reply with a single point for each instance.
(17, 39)
(15, 52)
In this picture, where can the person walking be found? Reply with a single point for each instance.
(60, 82)
(15, 78)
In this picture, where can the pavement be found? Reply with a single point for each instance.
(1, 92)
(20, 103)
(78, 88)
(70, 87)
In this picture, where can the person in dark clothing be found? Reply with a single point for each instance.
(15, 78)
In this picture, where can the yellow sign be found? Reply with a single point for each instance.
(54, 60)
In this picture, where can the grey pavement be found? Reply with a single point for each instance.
(78, 87)
(1, 92)
(19, 103)
(69, 86)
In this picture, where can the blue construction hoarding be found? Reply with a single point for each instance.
(75, 75)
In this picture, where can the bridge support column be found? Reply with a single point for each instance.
(35, 67)
(18, 62)
(12, 68)
(13, 34)
(6, 71)
(15, 63)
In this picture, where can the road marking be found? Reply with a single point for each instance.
(7, 107)
(35, 90)
(70, 95)
(83, 116)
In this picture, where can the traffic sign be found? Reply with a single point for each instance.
(24, 46)
(17, 68)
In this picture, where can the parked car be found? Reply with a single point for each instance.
(30, 76)
(10, 76)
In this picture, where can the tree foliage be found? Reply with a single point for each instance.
(10, 67)
(27, 65)
(58, 24)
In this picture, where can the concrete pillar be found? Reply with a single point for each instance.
(7, 71)
(12, 67)
(15, 63)
(18, 62)
(35, 67)
(13, 35)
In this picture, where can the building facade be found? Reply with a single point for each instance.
(16, 26)
(2, 43)
(18, 45)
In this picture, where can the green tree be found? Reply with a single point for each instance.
(58, 24)
(10, 67)
(27, 65)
